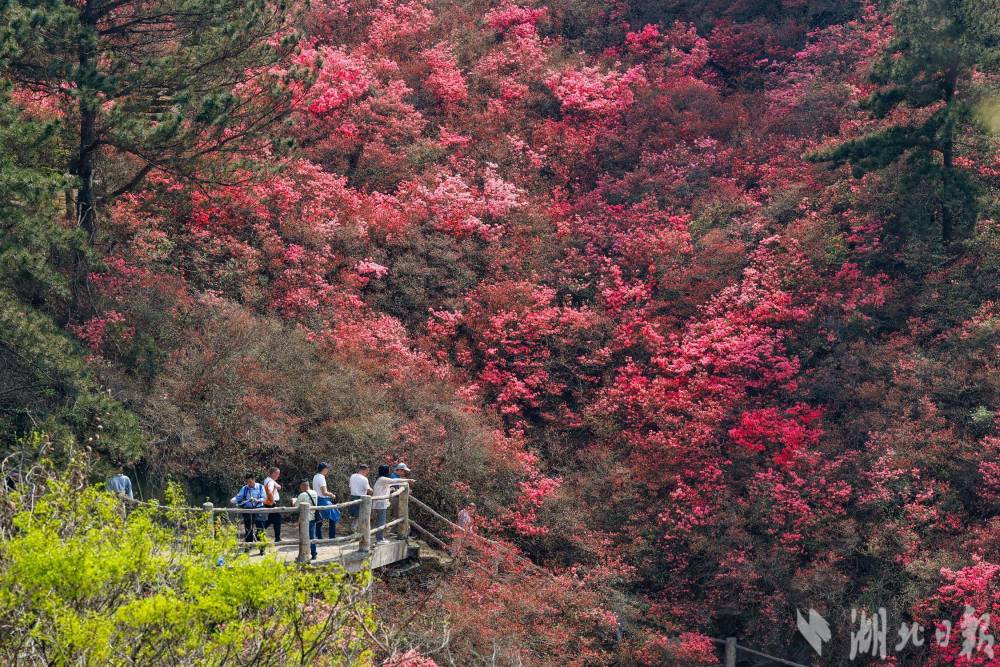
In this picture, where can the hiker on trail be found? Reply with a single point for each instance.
(120, 484)
(251, 496)
(307, 495)
(325, 498)
(381, 505)
(271, 498)
(359, 489)
(399, 471)
(465, 517)
(384, 486)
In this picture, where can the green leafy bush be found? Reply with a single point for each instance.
(83, 581)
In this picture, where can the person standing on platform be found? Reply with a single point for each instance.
(307, 495)
(360, 487)
(381, 505)
(271, 497)
(325, 498)
(251, 496)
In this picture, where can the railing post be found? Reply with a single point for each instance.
(207, 506)
(305, 553)
(365, 523)
(730, 652)
(404, 512)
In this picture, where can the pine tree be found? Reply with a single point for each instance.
(929, 69)
(45, 381)
(149, 84)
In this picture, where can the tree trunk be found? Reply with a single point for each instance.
(947, 218)
(86, 200)
(70, 196)
(948, 158)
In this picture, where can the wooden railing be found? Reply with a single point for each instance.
(731, 647)
(362, 534)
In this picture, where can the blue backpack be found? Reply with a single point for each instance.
(332, 514)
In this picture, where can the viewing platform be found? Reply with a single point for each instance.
(353, 560)
(354, 551)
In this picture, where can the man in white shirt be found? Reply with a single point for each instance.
(360, 488)
(381, 504)
(385, 485)
(325, 498)
(271, 498)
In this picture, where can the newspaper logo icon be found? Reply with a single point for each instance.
(815, 631)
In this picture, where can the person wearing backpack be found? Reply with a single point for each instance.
(251, 496)
(307, 495)
(271, 498)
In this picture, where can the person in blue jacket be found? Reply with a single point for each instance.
(251, 496)
(120, 484)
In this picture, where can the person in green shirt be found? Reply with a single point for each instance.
(307, 495)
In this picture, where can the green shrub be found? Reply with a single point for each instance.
(84, 582)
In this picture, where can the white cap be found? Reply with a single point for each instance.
(401, 466)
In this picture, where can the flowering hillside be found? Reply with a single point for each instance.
(698, 301)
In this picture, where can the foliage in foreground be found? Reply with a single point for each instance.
(83, 582)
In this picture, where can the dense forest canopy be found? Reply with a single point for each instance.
(698, 301)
